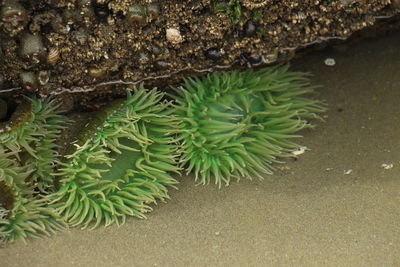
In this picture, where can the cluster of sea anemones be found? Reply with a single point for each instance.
(221, 126)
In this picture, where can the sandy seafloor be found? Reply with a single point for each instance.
(309, 213)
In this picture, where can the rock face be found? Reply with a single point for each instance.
(93, 49)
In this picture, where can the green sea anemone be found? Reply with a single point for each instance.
(23, 213)
(31, 133)
(119, 163)
(236, 124)
(3, 235)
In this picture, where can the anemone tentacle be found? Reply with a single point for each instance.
(23, 213)
(31, 134)
(119, 163)
(237, 124)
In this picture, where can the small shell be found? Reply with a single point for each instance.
(387, 166)
(330, 62)
(347, 172)
(174, 36)
(299, 151)
(53, 55)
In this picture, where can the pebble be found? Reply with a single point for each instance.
(174, 36)
(299, 151)
(387, 166)
(249, 29)
(213, 54)
(330, 62)
(348, 171)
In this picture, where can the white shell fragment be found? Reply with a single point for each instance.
(348, 171)
(299, 151)
(330, 62)
(387, 166)
(174, 36)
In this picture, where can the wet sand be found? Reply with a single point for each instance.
(310, 213)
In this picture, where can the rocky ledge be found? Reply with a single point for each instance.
(88, 51)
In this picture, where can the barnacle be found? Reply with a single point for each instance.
(119, 163)
(23, 213)
(30, 134)
(237, 124)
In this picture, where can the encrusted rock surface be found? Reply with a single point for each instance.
(83, 50)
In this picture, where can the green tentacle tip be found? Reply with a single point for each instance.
(237, 124)
(120, 162)
(30, 133)
(23, 213)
